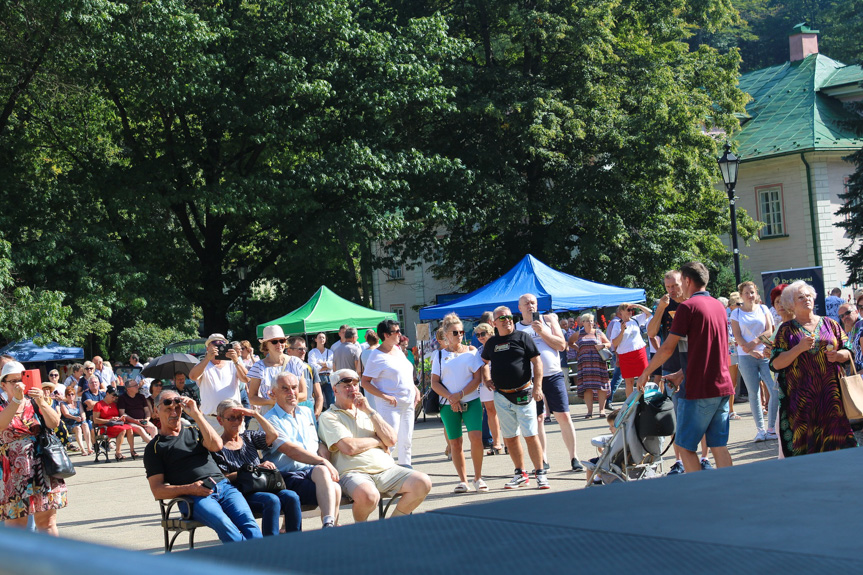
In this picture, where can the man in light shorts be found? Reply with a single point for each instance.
(359, 440)
(510, 356)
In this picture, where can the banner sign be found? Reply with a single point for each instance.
(812, 276)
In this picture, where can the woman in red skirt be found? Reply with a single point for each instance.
(105, 413)
(625, 335)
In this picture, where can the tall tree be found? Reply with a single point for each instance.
(583, 127)
(207, 137)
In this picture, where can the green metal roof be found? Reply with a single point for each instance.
(789, 113)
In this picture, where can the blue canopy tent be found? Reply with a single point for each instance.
(554, 291)
(26, 351)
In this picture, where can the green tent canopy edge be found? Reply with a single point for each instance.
(327, 311)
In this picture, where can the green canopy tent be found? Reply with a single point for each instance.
(326, 311)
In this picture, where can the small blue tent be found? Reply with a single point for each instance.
(26, 351)
(554, 291)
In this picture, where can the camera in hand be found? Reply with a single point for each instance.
(222, 350)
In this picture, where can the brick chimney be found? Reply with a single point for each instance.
(802, 42)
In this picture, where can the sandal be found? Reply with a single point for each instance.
(589, 416)
(134, 456)
(461, 488)
(119, 456)
(480, 485)
(602, 414)
(734, 416)
(493, 450)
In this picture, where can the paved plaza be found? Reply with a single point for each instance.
(111, 504)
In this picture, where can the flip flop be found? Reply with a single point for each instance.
(461, 488)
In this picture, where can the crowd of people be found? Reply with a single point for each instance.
(337, 423)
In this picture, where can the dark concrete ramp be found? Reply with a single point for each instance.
(793, 516)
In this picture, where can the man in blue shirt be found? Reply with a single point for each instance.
(296, 452)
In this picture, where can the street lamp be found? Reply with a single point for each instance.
(728, 165)
(241, 273)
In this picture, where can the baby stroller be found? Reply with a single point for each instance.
(635, 450)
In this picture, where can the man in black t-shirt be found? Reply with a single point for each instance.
(509, 356)
(178, 462)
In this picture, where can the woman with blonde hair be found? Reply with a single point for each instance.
(752, 324)
(262, 375)
(592, 374)
(456, 371)
(808, 352)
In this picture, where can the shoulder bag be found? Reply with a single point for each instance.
(255, 479)
(431, 401)
(852, 395)
(55, 460)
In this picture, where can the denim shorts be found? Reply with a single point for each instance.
(513, 417)
(697, 418)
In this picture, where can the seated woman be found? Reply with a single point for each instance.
(73, 416)
(156, 387)
(240, 447)
(105, 413)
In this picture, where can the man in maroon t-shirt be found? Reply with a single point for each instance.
(704, 411)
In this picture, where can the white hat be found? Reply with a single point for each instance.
(215, 337)
(342, 373)
(11, 367)
(273, 332)
(45, 384)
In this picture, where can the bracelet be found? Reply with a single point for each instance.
(15, 400)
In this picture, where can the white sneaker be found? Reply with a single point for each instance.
(760, 436)
(771, 435)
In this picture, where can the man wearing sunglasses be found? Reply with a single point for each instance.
(511, 356)
(848, 316)
(217, 379)
(179, 462)
(359, 440)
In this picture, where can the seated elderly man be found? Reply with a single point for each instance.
(359, 441)
(295, 452)
(179, 463)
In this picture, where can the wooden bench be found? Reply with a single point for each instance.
(176, 522)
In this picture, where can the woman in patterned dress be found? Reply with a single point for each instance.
(808, 352)
(592, 375)
(24, 489)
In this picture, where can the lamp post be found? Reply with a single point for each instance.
(728, 165)
(241, 273)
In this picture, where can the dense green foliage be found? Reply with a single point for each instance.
(852, 210)
(150, 152)
(149, 340)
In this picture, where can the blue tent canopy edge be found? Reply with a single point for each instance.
(554, 291)
(26, 351)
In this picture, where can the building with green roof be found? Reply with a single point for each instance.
(794, 137)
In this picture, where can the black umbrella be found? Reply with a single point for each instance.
(165, 366)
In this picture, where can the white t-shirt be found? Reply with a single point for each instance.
(268, 374)
(457, 371)
(631, 336)
(550, 357)
(392, 373)
(752, 324)
(218, 384)
(318, 358)
(642, 320)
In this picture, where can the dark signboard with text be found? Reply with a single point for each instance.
(812, 276)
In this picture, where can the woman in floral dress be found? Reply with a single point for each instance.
(808, 352)
(24, 489)
(592, 375)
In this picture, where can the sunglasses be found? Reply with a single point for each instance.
(482, 334)
(172, 401)
(53, 375)
(847, 313)
(505, 318)
(89, 368)
(234, 418)
(458, 333)
(347, 380)
(281, 341)
(395, 331)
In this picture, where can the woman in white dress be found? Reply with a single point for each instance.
(262, 375)
(388, 376)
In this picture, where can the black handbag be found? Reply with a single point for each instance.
(55, 460)
(255, 479)
(431, 401)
